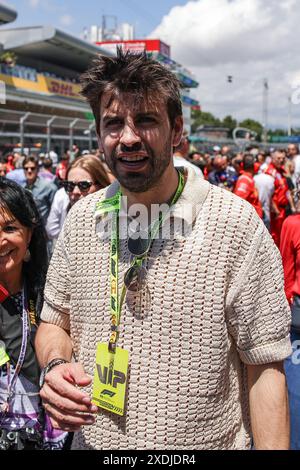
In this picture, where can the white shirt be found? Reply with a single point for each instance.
(296, 175)
(57, 214)
(182, 162)
(265, 186)
(54, 157)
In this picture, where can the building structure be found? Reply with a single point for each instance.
(213, 133)
(43, 106)
(43, 109)
(7, 14)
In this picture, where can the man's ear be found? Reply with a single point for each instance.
(177, 131)
(99, 142)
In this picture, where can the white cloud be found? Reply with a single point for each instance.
(34, 3)
(248, 39)
(66, 20)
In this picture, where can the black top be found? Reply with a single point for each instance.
(11, 335)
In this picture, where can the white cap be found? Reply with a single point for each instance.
(216, 148)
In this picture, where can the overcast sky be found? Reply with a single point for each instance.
(248, 39)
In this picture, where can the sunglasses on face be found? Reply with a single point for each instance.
(83, 186)
(30, 168)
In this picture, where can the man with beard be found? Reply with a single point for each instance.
(182, 315)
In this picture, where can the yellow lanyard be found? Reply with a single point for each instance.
(113, 205)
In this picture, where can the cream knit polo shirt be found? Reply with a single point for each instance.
(216, 303)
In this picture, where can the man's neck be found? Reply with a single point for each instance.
(179, 155)
(160, 194)
(31, 183)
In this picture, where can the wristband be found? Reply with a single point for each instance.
(49, 366)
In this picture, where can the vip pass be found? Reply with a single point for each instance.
(110, 376)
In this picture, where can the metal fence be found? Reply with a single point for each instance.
(25, 126)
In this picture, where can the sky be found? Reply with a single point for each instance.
(251, 40)
(75, 15)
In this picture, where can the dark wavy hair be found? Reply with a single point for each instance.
(19, 202)
(131, 72)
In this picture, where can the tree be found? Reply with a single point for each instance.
(201, 118)
(229, 122)
(253, 126)
(277, 132)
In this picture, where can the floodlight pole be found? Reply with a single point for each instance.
(22, 125)
(71, 127)
(91, 127)
(265, 109)
(49, 123)
(289, 115)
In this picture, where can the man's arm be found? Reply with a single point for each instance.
(68, 407)
(291, 201)
(269, 410)
(274, 208)
(52, 342)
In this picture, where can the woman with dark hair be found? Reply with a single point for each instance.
(23, 266)
(85, 176)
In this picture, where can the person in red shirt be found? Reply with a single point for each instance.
(290, 252)
(62, 167)
(281, 196)
(10, 163)
(245, 186)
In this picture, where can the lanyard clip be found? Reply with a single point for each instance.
(112, 346)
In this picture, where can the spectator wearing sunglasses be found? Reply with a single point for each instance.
(85, 176)
(201, 313)
(42, 191)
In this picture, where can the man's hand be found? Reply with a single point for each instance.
(69, 408)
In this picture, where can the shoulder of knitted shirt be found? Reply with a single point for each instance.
(86, 206)
(238, 209)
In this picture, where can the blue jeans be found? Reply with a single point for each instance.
(292, 371)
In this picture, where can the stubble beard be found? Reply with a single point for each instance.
(141, 182)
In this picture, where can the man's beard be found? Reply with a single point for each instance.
(136, 182)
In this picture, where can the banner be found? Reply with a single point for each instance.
(44, 85)
(149, 45)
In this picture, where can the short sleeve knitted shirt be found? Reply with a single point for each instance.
(216, 302)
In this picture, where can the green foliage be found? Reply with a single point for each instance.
(201, 118)
(277, 133)
(252, 125)
(230, 122)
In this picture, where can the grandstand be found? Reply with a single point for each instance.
(43, 109)
(43, 106)
(7, 15)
